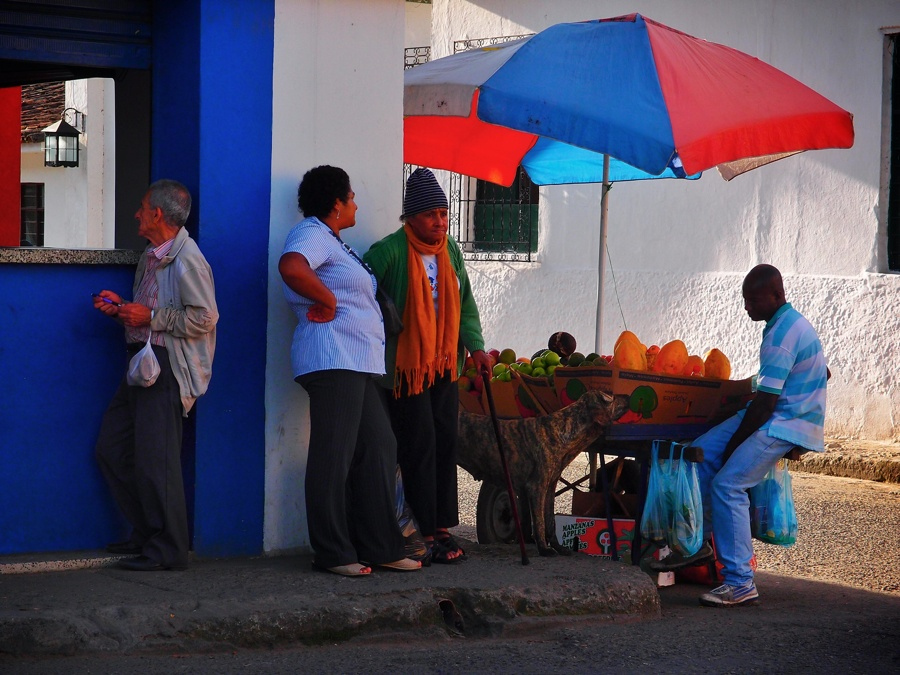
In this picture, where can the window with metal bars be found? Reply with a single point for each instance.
(494, 222)
(893, 214)
(490, 222)
(32, 214)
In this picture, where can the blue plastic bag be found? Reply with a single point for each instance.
(654, 520)
(773, 518)
(673, 511)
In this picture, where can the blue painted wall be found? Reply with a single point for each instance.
(212, 125)
(60, 360)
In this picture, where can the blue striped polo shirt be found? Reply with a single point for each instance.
(354, 339)
(792, 365)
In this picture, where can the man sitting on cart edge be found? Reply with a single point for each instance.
(788, 410)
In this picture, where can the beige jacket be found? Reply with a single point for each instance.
(187, 314)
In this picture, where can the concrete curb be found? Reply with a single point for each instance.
(268, 602)
(879, 470)
(874, 460)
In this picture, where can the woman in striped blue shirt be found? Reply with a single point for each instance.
(336, 354)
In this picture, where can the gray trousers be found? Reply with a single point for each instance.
(139, 453)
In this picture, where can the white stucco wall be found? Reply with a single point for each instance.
(679, 249)
(418, 24)
(100, 137)
(338, 88)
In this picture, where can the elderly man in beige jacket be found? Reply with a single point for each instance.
(139, 446)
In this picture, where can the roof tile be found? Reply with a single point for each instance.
(42, 105)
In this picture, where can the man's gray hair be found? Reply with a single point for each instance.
(172, 198)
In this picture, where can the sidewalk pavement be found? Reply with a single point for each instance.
(81, 603)
(265, 602)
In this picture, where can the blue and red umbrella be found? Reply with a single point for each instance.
(615, 99)
(659, 102)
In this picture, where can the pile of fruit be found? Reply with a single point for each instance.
(672, 358)
(629, 353)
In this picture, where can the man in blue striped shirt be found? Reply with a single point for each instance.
(788, 410)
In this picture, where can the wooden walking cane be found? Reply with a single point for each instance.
(509, 487)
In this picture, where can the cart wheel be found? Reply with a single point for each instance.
(494, 522)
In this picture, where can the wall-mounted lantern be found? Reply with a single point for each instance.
(61, 142)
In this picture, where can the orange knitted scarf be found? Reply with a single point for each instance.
(427, 346)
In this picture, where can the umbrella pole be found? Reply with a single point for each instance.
(601, 262)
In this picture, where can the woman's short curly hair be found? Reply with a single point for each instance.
(319, 188)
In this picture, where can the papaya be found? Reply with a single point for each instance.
(695, 366)
(716, 364)
(652, 351)
(623, 336)
(630, 356)
(672, 358)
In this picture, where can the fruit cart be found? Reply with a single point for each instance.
(620, 485)
(661, 407)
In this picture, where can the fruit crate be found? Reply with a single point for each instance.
(655, 398)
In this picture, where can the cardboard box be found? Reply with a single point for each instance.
(591, 536)
(507, 401)
(514, 400)
(593, 505)
(655, 398)
(541, 391)
(471, 402)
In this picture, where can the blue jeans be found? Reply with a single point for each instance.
(726, 506)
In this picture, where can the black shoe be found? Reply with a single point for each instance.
(144, 564)
(676, 561)
(124, 548)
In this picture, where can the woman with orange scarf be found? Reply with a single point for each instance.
(422, 269)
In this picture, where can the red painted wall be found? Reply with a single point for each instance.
(10, 165)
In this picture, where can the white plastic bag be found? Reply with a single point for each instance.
(143, 369)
